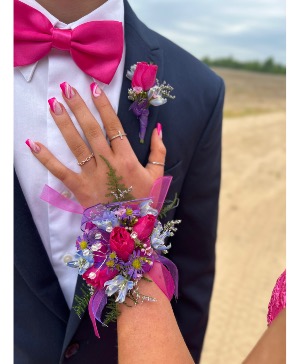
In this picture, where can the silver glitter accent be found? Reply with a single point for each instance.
(96, 247)
(98, 236)
(92, 275)
(134, 235)
(86, 252)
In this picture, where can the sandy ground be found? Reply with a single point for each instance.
(251, 233)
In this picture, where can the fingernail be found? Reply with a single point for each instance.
(159, 130)
(55, 106)
(95, 89)
(67, 90)
(33, 146)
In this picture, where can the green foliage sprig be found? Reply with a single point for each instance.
(167, 207)
(115, 185)
(82, 301)
(113, 311)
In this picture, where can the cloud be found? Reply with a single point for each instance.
(248, 29)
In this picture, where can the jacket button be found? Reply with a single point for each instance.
(71, 350)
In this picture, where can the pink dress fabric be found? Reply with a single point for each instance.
(278, 298)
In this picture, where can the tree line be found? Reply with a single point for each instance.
(267, 66)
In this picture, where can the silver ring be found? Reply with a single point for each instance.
(157, 163)
(86, 160)
(119, 135)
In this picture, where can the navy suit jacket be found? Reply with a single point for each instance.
(45, 330)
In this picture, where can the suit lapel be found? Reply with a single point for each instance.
(31, 259)
(74, 319)
(140, 47)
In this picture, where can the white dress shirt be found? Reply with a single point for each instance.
(34, 85)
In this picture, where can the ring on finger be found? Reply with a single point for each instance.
(119, 135)
(157, 163)
(86, 159)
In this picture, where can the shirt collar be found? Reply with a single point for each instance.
(110, 10)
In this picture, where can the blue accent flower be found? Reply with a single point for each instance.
(118, 284)
(108, 221)
(83, 260)
(146, 209)
(158, 238)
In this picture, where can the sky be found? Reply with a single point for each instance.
(243, 29)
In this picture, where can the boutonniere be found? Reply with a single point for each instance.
(145, 91)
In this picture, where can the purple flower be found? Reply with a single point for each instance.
(141, 111)
(138, 265)
(82, 242)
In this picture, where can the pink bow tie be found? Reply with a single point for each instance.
(96, 47)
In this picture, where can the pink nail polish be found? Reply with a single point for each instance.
(33, 146)
(159, 130)
(55, 106)
(67, 90)
(95, 89)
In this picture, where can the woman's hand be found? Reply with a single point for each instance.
(89, 186)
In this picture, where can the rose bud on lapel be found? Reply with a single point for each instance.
(144, 75)
(121, 242)
(97, 277)
(144, 226)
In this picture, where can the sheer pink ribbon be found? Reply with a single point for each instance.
(164, 272)
(58, 200)
(158, 194)
(96, 305)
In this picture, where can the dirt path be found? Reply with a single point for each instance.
(251, 234)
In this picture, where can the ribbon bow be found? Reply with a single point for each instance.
(96, 47)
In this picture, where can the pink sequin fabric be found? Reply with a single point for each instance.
(278, 298)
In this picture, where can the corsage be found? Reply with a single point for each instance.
(121, 242)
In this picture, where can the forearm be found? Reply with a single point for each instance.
(271, 347)
(149, 332)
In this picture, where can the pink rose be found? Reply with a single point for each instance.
(144, 226)
(144, 75)
(97, 277)
(121, 242)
